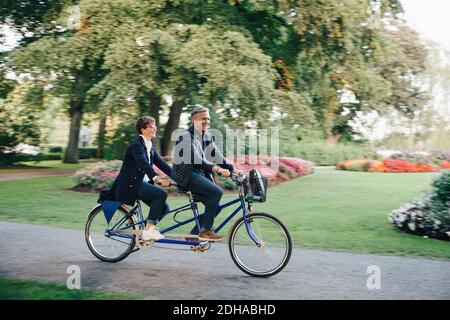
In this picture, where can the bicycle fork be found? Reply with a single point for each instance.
(247, 221)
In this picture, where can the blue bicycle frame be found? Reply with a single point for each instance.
(193, 206)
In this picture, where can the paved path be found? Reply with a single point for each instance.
(36, 174)
(44, 253)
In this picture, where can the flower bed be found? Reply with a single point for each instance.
(429, 216)
(98, 175)
(101, 175)
(386, 165)
(400, 163)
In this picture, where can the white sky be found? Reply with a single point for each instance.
(430, 18)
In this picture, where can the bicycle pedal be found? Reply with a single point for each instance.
(198, 249)
(145, 244)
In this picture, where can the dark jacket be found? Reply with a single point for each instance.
(204, 154)
(135, 165)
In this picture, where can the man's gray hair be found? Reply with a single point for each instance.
(198, 110)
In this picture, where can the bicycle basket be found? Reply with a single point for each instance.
(257, 186)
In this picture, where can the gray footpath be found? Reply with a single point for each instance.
(45, 253)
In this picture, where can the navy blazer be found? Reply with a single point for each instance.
(184, 166)
(135, 165)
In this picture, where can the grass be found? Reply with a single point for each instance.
(20, 167)
(13, 289)
(331, 209)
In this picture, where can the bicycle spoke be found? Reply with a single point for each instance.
(270, 256)
(106, 245)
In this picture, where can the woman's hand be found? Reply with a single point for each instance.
(161, 182)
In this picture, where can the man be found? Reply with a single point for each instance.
(137, 179)
(196, 158)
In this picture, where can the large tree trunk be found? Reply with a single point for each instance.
(75, 113)
(101, 137)
(333, 138)
(155, 106)
(172, 124)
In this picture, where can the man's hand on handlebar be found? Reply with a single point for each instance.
(223, 172)
(164, 183)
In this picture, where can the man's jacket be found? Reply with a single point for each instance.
(135, 165)
(203, 154)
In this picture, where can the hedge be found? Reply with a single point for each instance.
(10, 158)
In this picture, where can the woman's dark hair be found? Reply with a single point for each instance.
(143, 122)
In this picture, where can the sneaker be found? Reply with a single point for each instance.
(152, 234)
(209, 235)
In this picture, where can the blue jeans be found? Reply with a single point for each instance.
(210, 195)
(155, 198)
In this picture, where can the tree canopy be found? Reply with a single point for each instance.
(245, 59)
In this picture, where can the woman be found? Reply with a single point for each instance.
(137, 179)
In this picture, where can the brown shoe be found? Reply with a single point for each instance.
(209, 235)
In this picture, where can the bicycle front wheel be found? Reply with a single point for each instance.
(104, 239)
(274, 249)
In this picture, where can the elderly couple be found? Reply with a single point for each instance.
(193, 172)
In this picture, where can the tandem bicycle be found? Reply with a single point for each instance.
(259, 243)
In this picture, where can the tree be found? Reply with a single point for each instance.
(20, 119)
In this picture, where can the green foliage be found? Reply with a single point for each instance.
(441, 188)
(298, 144)
(20, 117)
(242, 58)
(118, 144)
(225, 183)
(10, 158)
(429, 216)
(55, 149)
(87, 153)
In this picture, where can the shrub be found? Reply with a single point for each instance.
(55, 149)
(378, 166)
(444, 164)
(412, 157)
(98, 175)
(361, 165)
(387, 165)
(324, 154)
(396, 166)
(225, 183)
(429, 216)
(442, 188)
(10, 158)
(301, 167)
(102, 174)
(87, 153)
(440, 155)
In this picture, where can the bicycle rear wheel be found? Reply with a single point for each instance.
(271, 256)
(102, 238)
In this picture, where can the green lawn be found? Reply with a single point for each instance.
(12, 289)
(47, 164)
(333, 210)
